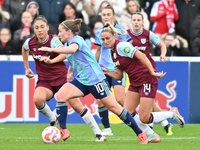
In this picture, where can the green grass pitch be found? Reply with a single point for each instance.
(28, 137)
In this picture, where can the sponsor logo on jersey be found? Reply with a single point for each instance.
(39, 56)
(127, 50)
(141, 48)
(116, 63)
(58, 42)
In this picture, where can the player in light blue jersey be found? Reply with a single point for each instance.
(88, 76)
(104, 59)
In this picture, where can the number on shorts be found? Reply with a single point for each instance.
(147, 87)
(99, 87)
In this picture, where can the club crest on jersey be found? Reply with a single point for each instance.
(127, 50)
(143, 41)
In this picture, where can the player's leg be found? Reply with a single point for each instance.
(131, 102)
(125, 116)
(42, 94)
(103, 113)
(146, 116)
(87, 117)
(167, 126)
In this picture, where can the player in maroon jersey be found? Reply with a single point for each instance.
(52, 74)
(142, 76)
(142, 39)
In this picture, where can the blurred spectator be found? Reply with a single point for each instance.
(147, 6)
(25, 32)
(97, 18)
(70, 13)
(33, 8)
(194, 30)
(118, 6)
(51, 9)
(4, 17)
(196, 44)
(86, 7)
(92, 39)
(15, 9)
(163, 14)
(176, 45)
(187, 10)
(1, 2)
(131, 7)
(6, 47)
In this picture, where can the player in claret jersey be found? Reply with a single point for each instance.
(52, 75)
(142, 40)
(142, 76)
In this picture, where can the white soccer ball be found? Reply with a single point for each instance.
(51, 135)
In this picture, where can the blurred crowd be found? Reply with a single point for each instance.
(176, 22)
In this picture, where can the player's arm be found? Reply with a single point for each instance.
(118, 74)
(98, 53)
(145, 61)
(163, 52)
(72, 48)
(70, 74)
(25, 55)
(59, 58)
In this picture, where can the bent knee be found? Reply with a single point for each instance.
(144, 119)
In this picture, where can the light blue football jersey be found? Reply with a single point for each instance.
(85, 67)
(105, 59)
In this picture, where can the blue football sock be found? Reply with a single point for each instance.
(61, 110)
(126, 117)
(103, 113)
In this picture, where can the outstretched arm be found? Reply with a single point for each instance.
(98, 53)
(59, 58)
(62, 50)
(118, 74)
(163, 52)
(145, 61)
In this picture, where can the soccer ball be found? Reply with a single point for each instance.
(51, 135)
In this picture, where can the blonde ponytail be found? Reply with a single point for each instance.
(110, 28)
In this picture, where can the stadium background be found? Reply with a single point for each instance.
(179, 88)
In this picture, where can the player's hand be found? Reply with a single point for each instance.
(69, 76)
(163, 58)
(104, 70)
(29, 72)
(159, 74)
(46, 49)
(46, 60)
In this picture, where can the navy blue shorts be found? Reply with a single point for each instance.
(113, 82)
(99, 90)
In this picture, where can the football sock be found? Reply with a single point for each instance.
(164, 123)
(141, 125)
(103, 113)
(45, 110)
(62, 110)
(89, 119)
(157, 117)
(126, 117)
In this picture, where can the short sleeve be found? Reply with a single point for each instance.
(26, 46)
(78, 41)
(125, 49)
(98, 37)
(154, 39)
(56, 43)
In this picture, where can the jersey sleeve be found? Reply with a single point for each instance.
(26, 46)
(98, 38)
(78, 41)
(125, 49)
(56, 43)
(154, 39)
